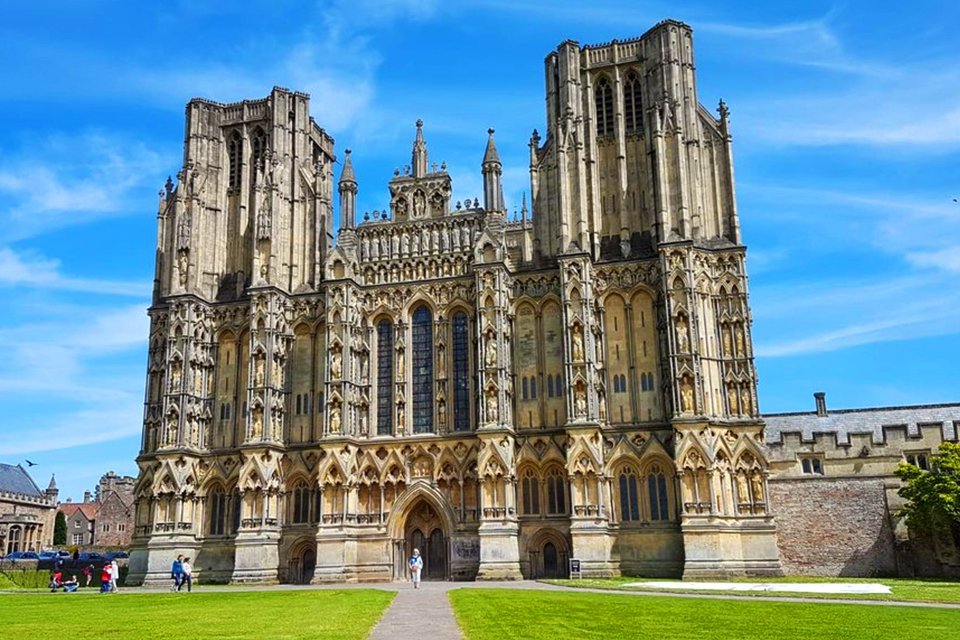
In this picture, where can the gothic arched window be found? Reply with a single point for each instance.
(629, 502)
(533, 387)
(461, 373)
(235, 152)
(384, 378)
(301, 503)
(526, 389)
(531, 492)
(559, 385)
(217, 503)
(657, 493)
(632, 104)
(603, 96)
(549, 386)
(422, 344)
(259, 145)
(556, 492)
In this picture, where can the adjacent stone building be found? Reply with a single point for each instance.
(104, 518)
(26, 512)
(835, 495)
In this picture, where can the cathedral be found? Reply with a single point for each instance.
(505, 393)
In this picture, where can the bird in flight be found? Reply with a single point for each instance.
(30, 463)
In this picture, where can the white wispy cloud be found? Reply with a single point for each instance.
(62, 180)
(32, 270)
(122, 419)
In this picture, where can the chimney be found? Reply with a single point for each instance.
(821, 399)
(86, 496)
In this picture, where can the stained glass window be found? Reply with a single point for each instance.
(422, 344)
(629, 504)
(384, 378)
(461, 373)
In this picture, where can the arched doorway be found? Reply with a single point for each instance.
(303, 564)
(549, 555)
(423, 530)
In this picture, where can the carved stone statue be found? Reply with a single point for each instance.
(686, 396)
(602, 407)
(732, 399)
(442, 358)
(578, 343)
(490, 356)
(257, 423)
(580, 403)
(198, 381)
(183, 263)
(727, 345)
(740, 350)
(743, 490)
(336, 366)
(258, 370)
(756, 483)
(683, 335)
(491, 405)
(335, 418)
(401, 416)
(171, 430)
(746, 405)
(175, 372)
(419, 204)
(400, 363)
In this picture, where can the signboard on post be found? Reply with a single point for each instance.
(575, 569)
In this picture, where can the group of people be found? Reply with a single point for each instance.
(108, 578)
(182, 573)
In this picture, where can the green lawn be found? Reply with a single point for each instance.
(496, 614)
(903, 590)
(347, 615)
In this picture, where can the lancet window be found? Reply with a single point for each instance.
(461, 373)
(556, 492)
(384, 378)
(235, 152)
(603, 96)
(217, 503)
(531, 493)
(301, 503)
(657, 494)
(422, 342)
(629, 501)
(632, 105)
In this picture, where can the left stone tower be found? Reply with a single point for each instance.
(247, 225)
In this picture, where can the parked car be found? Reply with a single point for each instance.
(117, 555)
(48, 555)
(23, 555)
(91, 556)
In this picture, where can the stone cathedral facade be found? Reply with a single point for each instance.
(504, 394)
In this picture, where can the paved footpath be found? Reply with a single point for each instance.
(417, 614)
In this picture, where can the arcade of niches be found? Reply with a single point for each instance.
(503, 393)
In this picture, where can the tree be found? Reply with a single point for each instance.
(933, 497)
(60, 529)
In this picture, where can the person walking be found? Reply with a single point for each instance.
(105, 577)
(416, 566)
(114, 575)
(187, 576)
(176, 572)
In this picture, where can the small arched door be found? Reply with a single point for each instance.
(550, 562)
(308, 565)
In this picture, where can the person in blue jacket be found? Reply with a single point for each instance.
(176, 572)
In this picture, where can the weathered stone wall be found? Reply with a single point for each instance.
(833, 527)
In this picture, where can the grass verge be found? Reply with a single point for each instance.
(904, 590)
(494, 614)
(283, 615)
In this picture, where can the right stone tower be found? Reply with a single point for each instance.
(633, 186)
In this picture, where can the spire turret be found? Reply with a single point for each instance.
(348, 193)
(492, 169)
(419, 153)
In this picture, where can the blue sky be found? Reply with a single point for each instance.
(846, 122)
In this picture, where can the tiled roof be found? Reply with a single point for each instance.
(15, 479)
(89, 509)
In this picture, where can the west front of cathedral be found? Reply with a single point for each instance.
(505, 394)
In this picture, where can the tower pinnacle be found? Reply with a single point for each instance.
(419, 153)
